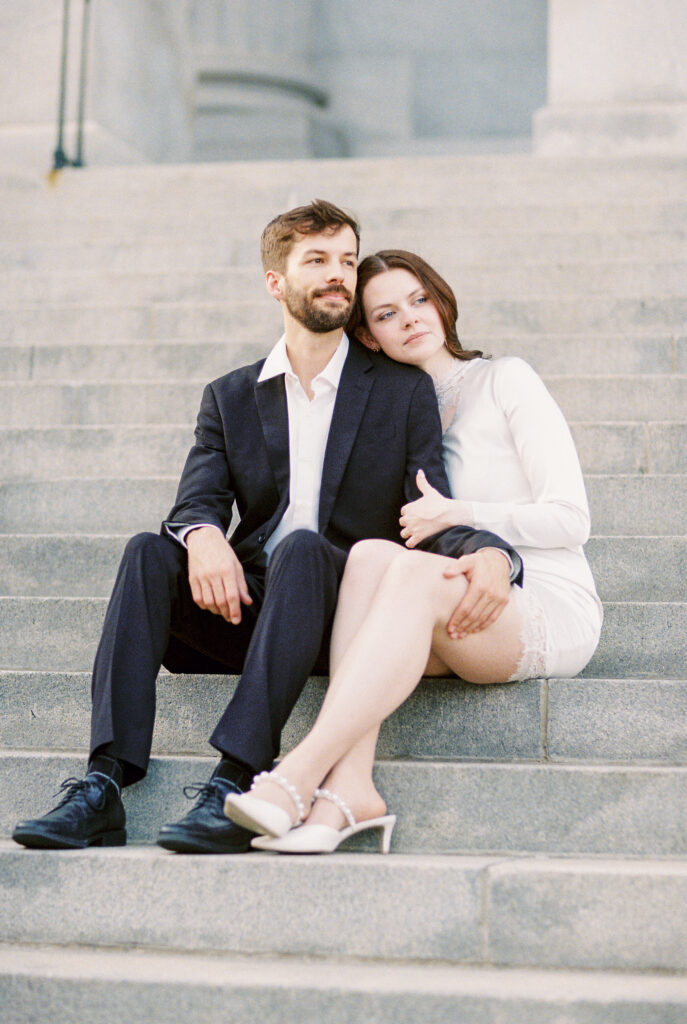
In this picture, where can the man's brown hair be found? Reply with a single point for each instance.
(317, 218)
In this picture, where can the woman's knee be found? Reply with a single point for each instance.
(368, 560)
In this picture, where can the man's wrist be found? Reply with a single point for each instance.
(511, 568)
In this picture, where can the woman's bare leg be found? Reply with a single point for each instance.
(390, 652)
(351, 777)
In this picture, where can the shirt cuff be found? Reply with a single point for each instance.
(181, 531)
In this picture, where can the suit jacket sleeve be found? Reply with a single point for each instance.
(205, 495)
(424, 452)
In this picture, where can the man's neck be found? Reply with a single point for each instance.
(309, 353)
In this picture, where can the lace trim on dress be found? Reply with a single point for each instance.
(533, 633)
(448, 389)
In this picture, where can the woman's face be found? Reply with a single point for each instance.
(402, 318)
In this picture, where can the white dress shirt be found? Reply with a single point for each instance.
(309, 422)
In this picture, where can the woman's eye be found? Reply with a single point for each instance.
(385, 316)
(420, 299)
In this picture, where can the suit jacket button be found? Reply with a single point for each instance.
(261, 538)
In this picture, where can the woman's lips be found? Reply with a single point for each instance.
(415, 337)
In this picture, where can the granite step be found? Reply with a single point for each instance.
(472, 282)
(169, 361)
(84, 565)
(46, 218)
(60, 634)
(638, 175)
(621, 505)
(30, 453)
(144, 987)
(504, 176)
(609, 914)
(606, 398)
(179, 252)
(471, 807)
(212, 321)
(610, 721)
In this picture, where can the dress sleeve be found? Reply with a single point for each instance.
(558, 515)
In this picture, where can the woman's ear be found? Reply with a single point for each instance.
(366, 339)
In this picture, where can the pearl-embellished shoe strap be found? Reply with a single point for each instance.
(327, 794)
(286, 785)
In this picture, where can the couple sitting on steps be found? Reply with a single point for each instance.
(372, 498)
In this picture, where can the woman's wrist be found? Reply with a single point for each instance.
(459, 513)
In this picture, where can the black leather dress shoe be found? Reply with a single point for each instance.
(205, 829)
(91, 813)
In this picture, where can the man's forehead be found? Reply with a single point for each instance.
(342, 237)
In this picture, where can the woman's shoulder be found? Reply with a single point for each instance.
(512, 371)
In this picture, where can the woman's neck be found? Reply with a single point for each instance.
(439, 365)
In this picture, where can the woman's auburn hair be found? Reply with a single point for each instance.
(438, 290)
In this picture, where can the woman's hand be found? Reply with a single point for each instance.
(431, 513)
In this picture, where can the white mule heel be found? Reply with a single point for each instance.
(260, 815)
(324, 838)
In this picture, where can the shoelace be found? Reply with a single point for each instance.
(203, 790)
(71, 786)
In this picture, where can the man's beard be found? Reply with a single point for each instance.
(317, 319)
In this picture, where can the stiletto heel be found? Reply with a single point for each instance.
(324, 838)
(385, 835)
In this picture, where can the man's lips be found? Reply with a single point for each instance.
(336, 295)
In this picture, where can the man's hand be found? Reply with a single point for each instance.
(487, 573)
(215, 574)
(430, 513)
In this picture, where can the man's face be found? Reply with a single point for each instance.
(319, 284)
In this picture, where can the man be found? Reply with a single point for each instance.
(318, 445)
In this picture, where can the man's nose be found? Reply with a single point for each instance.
(335, 272)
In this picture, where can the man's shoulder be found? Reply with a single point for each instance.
(402, 373)
(239, 379)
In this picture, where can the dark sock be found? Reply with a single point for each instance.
(233, 771)
(106, 765)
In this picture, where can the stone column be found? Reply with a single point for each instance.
(617, 78)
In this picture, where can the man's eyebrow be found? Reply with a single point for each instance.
(325, 252)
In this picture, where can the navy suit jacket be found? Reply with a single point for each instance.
(385, 426)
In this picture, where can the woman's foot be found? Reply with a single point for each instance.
(364, 803)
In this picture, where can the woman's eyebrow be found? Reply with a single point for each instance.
(383, 305)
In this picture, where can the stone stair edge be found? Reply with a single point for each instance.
(274, 972)
(454, 909)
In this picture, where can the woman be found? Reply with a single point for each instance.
(513, 469)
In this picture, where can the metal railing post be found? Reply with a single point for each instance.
(60, 158)
(82, 84)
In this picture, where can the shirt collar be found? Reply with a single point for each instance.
(277, 363)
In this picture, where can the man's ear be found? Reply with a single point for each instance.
(366, 339)
(273, 281)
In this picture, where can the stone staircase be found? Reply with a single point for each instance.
(539, 872)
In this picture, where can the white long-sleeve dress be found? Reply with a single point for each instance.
(508, 452)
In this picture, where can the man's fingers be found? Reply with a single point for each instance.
(458, 567)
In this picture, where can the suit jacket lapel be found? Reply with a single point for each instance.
(270, 397)
(352, 394)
